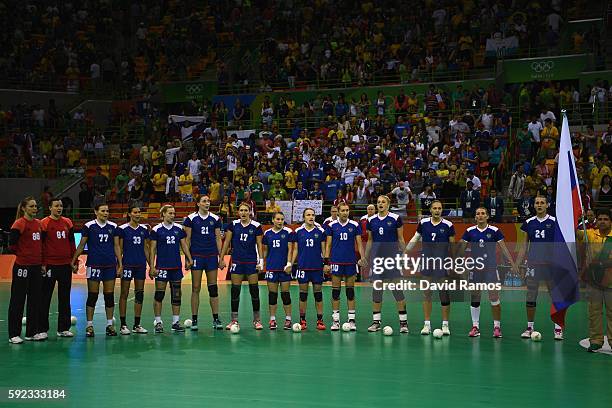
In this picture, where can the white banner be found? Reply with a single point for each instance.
(498, 46)
(286, 208)
(241, 134)
(300, 205)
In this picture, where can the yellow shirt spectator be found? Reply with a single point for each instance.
(595, 244)
(74, 155)
(186, 184)
(213, 192)
(291, 179)
(597, 174)
(159, 182)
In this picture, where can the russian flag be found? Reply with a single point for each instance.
(564, 290)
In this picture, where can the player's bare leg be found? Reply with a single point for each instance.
(160, 293)
(196, 287)
(303, 304)
(336, 286)
(272, 303)
(318, 296)
(253, 280)
(138, 300)
(350, 300)
(93, 290)
(108, 289)
(125, 291)
(213, 298)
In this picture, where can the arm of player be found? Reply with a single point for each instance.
(74, 264)
(523, 247)
(368, 249)
(453, 252)
(225, 248)
(219, 247)
(400, 238)
(326, 267)
(325, 250)
(147, 251)
(185, 248)
(413, 241)
(152, 253)
(118, 244)
(289, 259)
(361, 251)
(187, 235)
(508, 255)
(260, 261)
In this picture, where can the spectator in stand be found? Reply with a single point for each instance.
(272, 207)
(171, 154)
(121, 183)
(604, 197)
(172, 187)
(159, 181)
(227, 208)
(278, 192)
(300, 193)
(525, 206)
(469, 201)
(101, 185)
(185, 183)
(596, 176)
(426, 198)
(495, 206)
(402, 195)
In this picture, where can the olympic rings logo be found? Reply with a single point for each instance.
(544, 66)
(193, 88)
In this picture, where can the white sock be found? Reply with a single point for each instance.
(376, 316)
(530, 325)
(557, 327)
(175, 319)
(428, 323)
(403, 317)
(89, 323)
(475, 312)
(336, 315)
(288, 317)
(351, 315)
(109, 322)
(444, 322)
(496, 323)
(273, 318)
(157, 319)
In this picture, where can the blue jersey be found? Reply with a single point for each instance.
(278, 245)
(244, 241)
(541, 235)
(168, 240)
(384, 229)
(133, 245)
(435, 237)
(484, 244)
(309, 248)
(203, 234)
(343, 241)
(100, 244)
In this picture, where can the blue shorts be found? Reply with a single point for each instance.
(277, 276)
(538, 272)
(205, 263)
(101, 274)
(304, 277)
(243, 268)
(169, 275)
(137, 272)
(484, 276)
(344, 270)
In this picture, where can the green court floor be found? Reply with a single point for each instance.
(310, 369)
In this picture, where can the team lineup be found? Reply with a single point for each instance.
(311, 254)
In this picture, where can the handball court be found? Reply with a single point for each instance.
(310, 369)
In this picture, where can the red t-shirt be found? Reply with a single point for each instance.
(58, 242)
(29, 246)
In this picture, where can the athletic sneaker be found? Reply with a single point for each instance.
(404, 327)
(217, 325)
(230, 324)
(497, 332)
(335, 326)
(65, 333)
(36, 337)
(593, 347)
(42, 336)
(110, 331)
(273, 324)
(303, 324)
(194, 325)
(527, 333)
(124, 331)
(159, 327)
(287, 325)
(426, 330)
(445, 330)
(320, 325)
(558, 334)
(475, 332)
(89, 331)
(375, 326)
(176, 327)
(353, 325)
(138, 329)
(19, 340)
(257, 324)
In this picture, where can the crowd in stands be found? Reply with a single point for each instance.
(133, 45)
